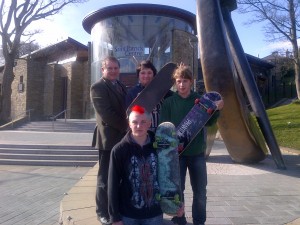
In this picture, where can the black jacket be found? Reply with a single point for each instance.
(110, 112)
(132, 180)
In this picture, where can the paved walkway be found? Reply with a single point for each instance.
(253, 194)
(32, 195)
(237, 194)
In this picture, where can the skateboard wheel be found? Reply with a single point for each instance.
(180, 148)
(157, 196)
(210, 111)
(176, 199)
(197, 101)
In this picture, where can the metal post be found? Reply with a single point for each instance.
(65, 116)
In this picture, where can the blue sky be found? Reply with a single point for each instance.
(69, 24)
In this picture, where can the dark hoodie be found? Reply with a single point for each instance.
(132, 180)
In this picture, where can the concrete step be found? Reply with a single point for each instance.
(70, 125)
(55, 130)
(49, 157)
(54, 149)
(50, 147)
(48, 151)
(47, 162)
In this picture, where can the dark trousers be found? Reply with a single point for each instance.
(198, 179)
(101, 191)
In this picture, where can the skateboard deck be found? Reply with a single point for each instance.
(166, 143)
(196, 119)
(156, 90)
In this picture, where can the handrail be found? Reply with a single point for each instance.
(57, 115)
(15, 117)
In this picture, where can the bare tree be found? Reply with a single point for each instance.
(282, 18)
(27, 47)
(1, 57)
(15, 17)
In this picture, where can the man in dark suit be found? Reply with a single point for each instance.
(108, 98)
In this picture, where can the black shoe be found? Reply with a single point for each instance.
(104, 220)
(179, 220)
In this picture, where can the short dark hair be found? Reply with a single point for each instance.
(110, 58)
(146, 64)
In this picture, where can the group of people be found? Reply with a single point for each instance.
(127, 177)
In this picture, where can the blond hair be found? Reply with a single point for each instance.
(183, 72)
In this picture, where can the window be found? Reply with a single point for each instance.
(21, 85)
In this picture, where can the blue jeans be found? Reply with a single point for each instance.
(198, 179)
(158, 220)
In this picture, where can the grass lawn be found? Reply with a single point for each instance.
(285, 121)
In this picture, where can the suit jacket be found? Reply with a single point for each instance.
(110, 110)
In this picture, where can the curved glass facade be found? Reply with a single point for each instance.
(132, 38)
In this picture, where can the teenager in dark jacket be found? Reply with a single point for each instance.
(132, 179)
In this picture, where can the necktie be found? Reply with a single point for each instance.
(118, 87)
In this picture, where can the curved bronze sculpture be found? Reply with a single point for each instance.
(225, 69)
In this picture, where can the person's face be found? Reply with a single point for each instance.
(139, 124)
(111, 70)
(183, 86)
(145, 76)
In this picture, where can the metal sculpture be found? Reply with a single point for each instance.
(225, 70)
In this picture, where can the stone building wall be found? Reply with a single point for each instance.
(35, 88)
(48, 90)
(19, 90)
(68, 70)
(87, 106)
(61, 81)
(75, 102)
(71, 83)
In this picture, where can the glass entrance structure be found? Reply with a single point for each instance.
(135, 32)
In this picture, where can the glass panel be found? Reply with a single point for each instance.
(133, 38)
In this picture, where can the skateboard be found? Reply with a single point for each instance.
(156, 90)
(166, 143)
(196, 119)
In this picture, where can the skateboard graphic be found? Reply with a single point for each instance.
(156, 90)
(166, 143)
(196, 119)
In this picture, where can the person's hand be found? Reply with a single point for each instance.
(118, 223)
(180, 211)
(219, 104)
